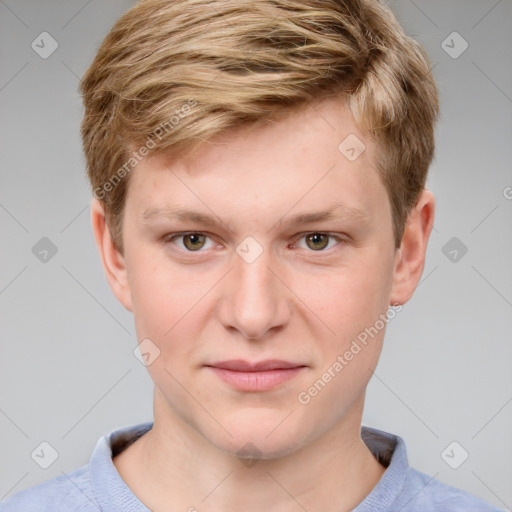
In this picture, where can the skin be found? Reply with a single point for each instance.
(301, 301)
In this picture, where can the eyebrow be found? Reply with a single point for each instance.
(340, 211)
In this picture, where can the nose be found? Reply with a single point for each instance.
(254, 300)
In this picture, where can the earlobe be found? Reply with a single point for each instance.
(410, 258)
(112, 260)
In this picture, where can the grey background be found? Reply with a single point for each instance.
(67, 370)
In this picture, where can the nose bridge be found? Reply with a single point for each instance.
(254, 302)
(254, 277)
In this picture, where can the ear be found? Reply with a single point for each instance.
(112, 260)
(410, 257)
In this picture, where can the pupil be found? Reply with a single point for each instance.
(316, 239)
(193, 239)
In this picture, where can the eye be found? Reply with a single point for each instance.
(192, 241)
(318, 241)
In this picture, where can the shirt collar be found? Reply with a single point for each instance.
(391, 452)
(113, 494)
(108, 487)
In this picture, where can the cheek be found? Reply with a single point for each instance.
(354, 306)
(163, 295)
(348, 299)
(171, 307)
(168, 310)
(353, 303)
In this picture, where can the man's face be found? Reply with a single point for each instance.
(258, 287)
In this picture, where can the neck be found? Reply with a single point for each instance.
(174, 465)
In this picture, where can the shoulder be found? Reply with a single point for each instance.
(71, 492)
(406, 489)
(426, 494)
(90, 488)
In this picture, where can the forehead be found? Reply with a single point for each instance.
(315, 157)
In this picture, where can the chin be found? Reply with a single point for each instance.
(262, 437)
(257, 447)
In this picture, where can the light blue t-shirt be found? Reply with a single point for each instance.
(98, 486)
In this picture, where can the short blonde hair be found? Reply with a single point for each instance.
(170, 75)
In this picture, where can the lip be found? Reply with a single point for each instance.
(255, 376)
(240, 365)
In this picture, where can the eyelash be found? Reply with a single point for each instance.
(170, 238)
